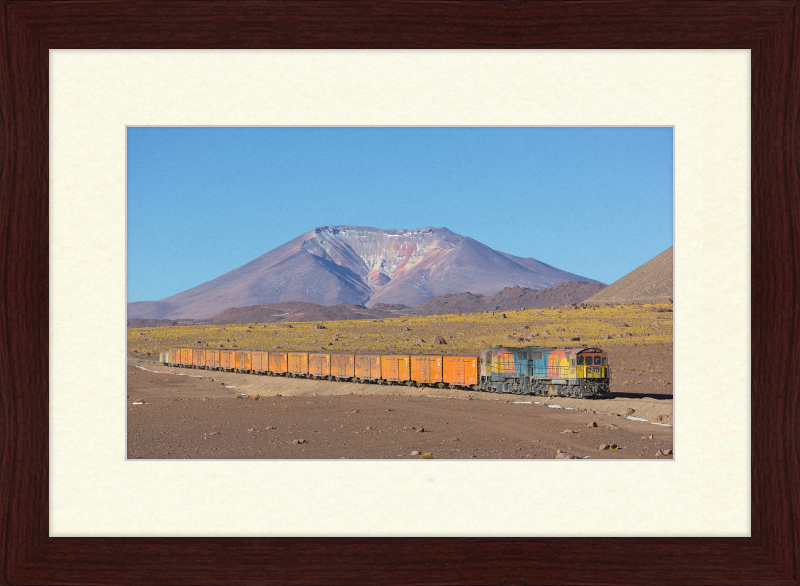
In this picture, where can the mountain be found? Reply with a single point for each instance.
(650, 283)
(509, 299)
(360, 265)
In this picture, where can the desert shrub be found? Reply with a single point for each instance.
(465, 333)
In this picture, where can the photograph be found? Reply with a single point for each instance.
(400, 293)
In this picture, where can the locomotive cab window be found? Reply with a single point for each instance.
(580, 360)
(597, 361)
(604, 361)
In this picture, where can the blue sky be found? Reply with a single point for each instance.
(204, 201)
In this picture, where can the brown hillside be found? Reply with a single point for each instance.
(137, 322)
(295, 311)
(510, 298)
(650, 283)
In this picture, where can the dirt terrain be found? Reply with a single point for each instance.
(189, 413)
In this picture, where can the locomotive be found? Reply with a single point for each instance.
(530, 370)
(534, 370)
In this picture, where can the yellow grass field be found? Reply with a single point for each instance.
(605, 326)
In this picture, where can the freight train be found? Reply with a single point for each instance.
(531, 370)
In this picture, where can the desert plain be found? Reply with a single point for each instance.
(180, 413)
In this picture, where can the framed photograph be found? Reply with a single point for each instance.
(384, 337)
(56, 403)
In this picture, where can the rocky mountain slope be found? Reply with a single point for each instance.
(511, 298)
(650, 283)
(360, 265)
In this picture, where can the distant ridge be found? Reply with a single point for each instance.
(510, 299)
(650, 283)
(288, 311)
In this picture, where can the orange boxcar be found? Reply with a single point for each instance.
(343, 365)
(260, 361)
(426, 369)
(319, 364)
(298, 363)
(460, 370)
(396, 368)
(186, 357)
(174, 356)
(368, 366)
(198, 358)
(279, 362)
(227, 359)
(243, 362)
(212, 359)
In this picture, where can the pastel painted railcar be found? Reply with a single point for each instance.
(426, 370)
(396, 369)
(460, 371)
(343, 366)
(534, 370)
(298, 364)
(319, 365)
(367, 367)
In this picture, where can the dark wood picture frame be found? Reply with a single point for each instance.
(770, 29)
